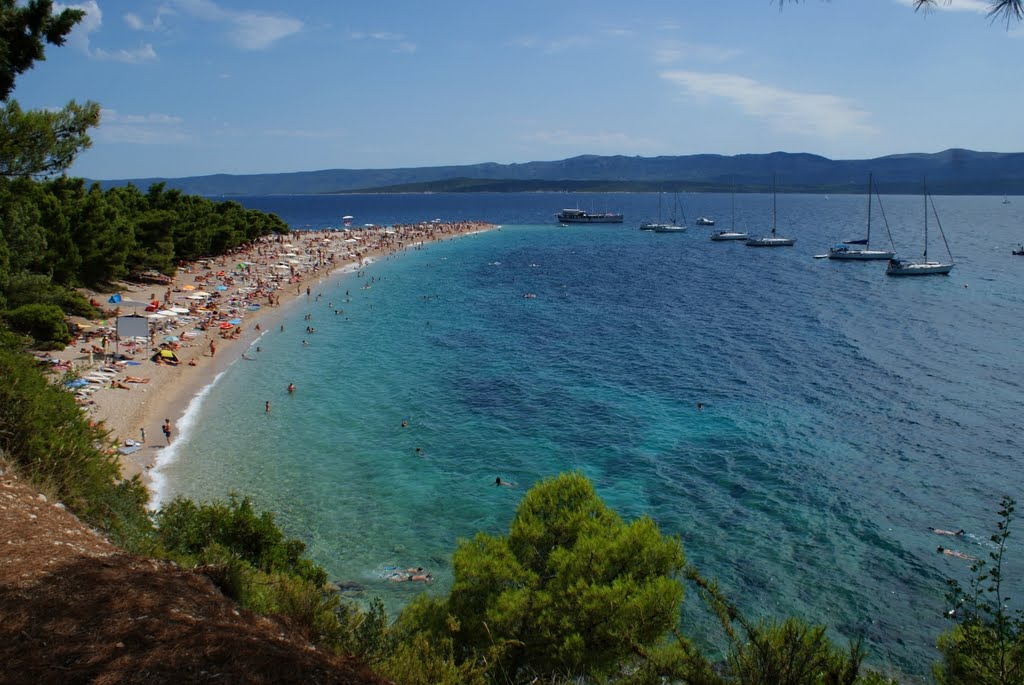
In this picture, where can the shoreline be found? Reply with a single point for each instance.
(126, 408)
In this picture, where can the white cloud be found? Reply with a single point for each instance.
(141, 129)
(91, 22)
(136, 22)
(397, 41)
(821, 116)
(245, 30)
(260, 31)
(144, 53)
(591, 141)
(80, 37)
(674, 51)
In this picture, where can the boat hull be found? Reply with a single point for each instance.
(919, 269)
(704, 221)
(730, 235)
(576, 216)
(668, 228)
(770, 242)
(861, 254)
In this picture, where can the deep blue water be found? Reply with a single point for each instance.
(844, 412)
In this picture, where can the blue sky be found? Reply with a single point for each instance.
(195, 87)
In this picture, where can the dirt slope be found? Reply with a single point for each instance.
(75, 609)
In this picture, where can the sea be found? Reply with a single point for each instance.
(799, 423)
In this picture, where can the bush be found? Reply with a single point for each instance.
(572, 590)
(46, 437)
(186, 529)
(44, 322)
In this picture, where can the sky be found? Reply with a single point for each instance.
(197, 87)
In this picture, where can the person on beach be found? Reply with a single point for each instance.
(954, 553)
(499, 482)
(954, 533)
(142, 435)
(167, 430)
(213, 348)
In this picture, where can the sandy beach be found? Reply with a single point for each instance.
(207, 317)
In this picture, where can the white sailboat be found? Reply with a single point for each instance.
(651, 225)
(732, 233)
(771, 240)
(673, 226)
(923, 266)
(860, 249)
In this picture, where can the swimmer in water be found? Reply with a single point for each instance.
(498, 481)
(954, 533)
(954, 553)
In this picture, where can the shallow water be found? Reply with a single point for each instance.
(844, 411)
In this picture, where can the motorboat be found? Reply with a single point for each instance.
(578, 216)
(704, 221)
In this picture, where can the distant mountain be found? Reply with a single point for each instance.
(954, 171)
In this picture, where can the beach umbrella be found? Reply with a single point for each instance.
(188, 287)
(115, 298)
(171, 338)
(235, 322)
(168, 313)
(76, 383)
(178, 310)
(222, 287)
(241, 265)
(201, 293)
(156, 317)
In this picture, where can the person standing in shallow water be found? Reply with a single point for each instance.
(167, 430)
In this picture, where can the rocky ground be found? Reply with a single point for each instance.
(75, 609)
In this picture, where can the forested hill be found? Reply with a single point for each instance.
(953, 171)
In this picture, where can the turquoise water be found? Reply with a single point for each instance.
(845, 412)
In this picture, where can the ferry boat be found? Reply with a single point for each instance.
(578, 216)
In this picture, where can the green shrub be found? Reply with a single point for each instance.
(187, 529)
(44, 322)
(44, 434)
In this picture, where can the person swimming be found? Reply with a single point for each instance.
(954, 533)
(954, 553)
(505, 483)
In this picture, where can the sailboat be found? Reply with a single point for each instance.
(771, 240)
(732, 233)
(845, 250)
(1005, 201)
(673, 226)
(923, 266)
(650, 225)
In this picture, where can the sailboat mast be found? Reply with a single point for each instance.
(773, 205)
(925, 222)
(732, 227)
(868, 244)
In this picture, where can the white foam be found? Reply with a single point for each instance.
(168, 455)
